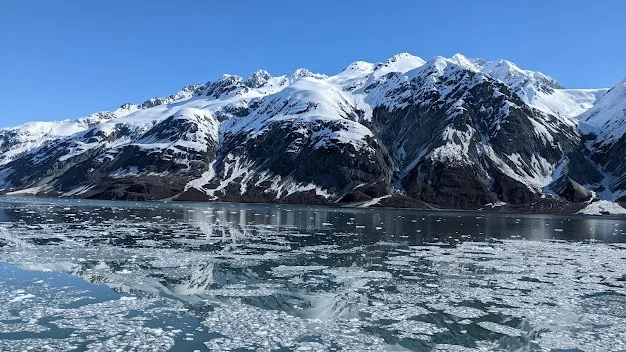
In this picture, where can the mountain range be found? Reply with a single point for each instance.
(449, 133)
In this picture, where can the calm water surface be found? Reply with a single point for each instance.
(100, 276)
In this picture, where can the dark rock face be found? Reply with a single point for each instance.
(281, 161)
(571, 190)
(135, 189)
(613, 159)
(448, 186)
(512, 191)
(8, 140)
(460, 160)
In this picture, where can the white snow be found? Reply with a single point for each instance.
(78, 190)
(373, 201)
(34, 134)
(496, 204)
(607, 118)
(567, 102)
(603, 207)
(536, 175)
(241, 171)
(535, 88)
(456, 148)
(27, 191)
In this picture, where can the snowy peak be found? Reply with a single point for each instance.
(399, 63)
(226, 86)
(358, 68)
(258, 79)
(303, 72)
(307, 97)
(403, 57)
(607, 118)
(185, 93)
(511, 74)
(535, 88)
(228, 79)
(464, 61)
(439, 66)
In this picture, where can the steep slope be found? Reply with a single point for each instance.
(535, 88)
(605, 128)
(18, 140)
(450, 132)
(305, 143)
(607, 119)
(567, 102)
(454, 133)
(304, 139)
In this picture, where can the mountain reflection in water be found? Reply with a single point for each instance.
(265, 277)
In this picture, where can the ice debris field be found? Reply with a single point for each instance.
(96, 276)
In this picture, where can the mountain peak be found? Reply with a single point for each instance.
(226, 77)
(258, 79)
(402, 56)
(608, 116)
(402, 63)
(303, 72)
(438, 64)
(466, 62)
(359, 66)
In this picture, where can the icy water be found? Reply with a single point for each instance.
(102, 276)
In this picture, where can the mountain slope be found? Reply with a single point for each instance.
(450, 133)
(451, 129)
(605, 129)
(535, 88)
(304, 139)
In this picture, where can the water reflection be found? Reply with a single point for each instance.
(419, 226)
(387, 223)
(267, 276)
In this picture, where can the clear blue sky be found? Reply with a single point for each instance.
(66, 59)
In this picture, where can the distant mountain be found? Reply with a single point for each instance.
(448, 133)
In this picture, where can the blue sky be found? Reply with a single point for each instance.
(66, 59)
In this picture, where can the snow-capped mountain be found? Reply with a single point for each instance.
(448, 132)
(605, 128)
(607, 119)
(15, 141)
(535, 88)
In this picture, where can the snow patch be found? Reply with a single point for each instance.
(603, 207)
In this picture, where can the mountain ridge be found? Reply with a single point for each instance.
(404, 129)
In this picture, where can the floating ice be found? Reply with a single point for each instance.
(279, 278)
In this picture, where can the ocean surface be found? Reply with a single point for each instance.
(101, 276)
